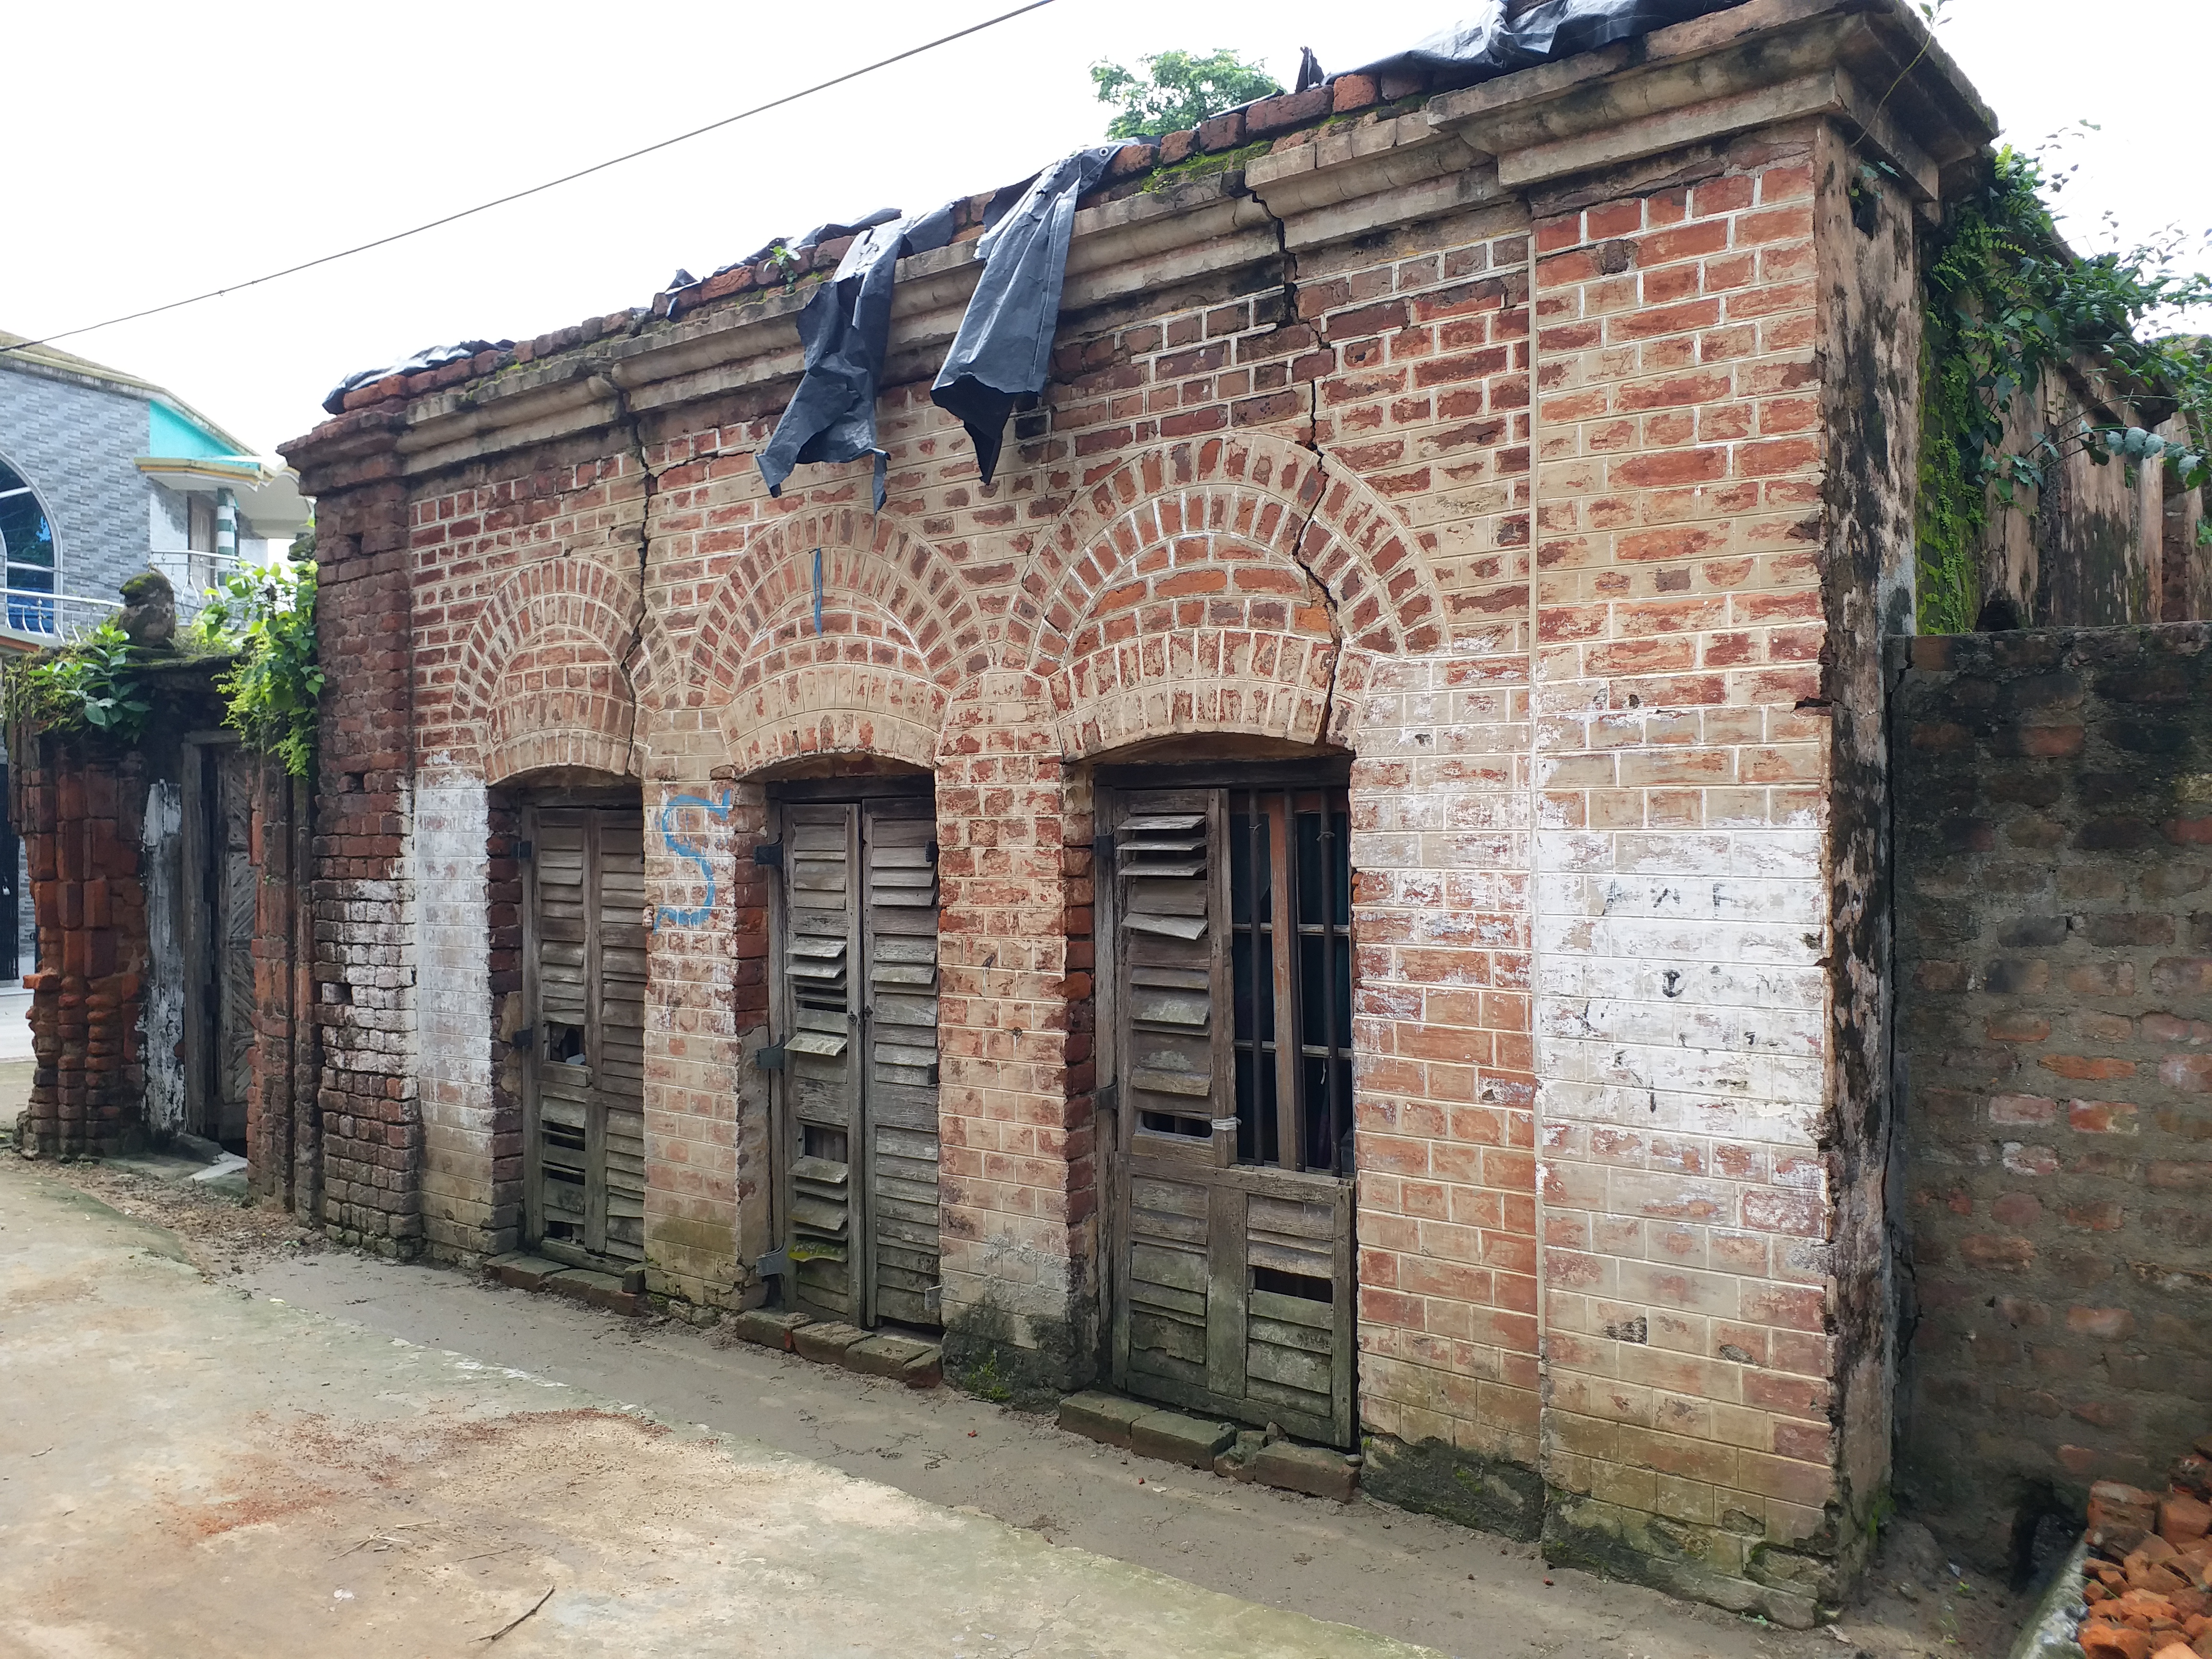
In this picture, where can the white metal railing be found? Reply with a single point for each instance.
(55, 617)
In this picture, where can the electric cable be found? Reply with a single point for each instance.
(550, 184)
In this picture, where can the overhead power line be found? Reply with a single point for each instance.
(550, 184)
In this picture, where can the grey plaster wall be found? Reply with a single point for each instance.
(74, 444)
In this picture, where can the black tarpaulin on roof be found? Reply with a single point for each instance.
(1490, 44)
(429, 357)
(1003, 351)
(846, 330)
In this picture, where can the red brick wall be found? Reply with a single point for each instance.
(2055, 961)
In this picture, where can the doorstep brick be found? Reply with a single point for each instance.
(885, 1355)
(1312, 1469)
(825, 1343)
(767, 1327)
(1174, 1437)
(924, 1371)
(598, 1290)
(1105, 1417)
(521, 1271)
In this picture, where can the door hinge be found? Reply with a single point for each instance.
(932, 852)
(776, 1264)
(769, 855)
(524, 1038)
(770, 1058)
(1109, 1096)
(932, 1299)
(1102, 851)
(526, 851)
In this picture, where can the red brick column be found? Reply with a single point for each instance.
(81, 813)
(364, 971)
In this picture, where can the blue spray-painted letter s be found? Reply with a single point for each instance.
(684, 849)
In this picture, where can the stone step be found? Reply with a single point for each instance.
(1200, 1443)
(526, 1272)
(913, 1360)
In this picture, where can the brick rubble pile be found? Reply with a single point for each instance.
(2148, 1576)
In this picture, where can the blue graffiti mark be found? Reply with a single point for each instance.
(684, 849)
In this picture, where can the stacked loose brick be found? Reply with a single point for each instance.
(1561, 491)
(2054, 960)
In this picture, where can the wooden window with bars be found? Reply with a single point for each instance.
(1228, 965)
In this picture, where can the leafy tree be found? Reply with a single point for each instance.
(1177, 90)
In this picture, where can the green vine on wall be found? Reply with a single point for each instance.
(264, 615)
(90, 685)
(2007, 308)
(262, 618)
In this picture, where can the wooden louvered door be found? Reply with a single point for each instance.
(820, 1027)
(857, 924)
(1230, 1061)
(584, 975)
(898, 840)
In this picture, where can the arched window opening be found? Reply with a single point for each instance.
(27, 555)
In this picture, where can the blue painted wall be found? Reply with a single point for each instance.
(170, 437)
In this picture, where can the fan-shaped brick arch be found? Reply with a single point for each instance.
(1252, 492)
(860, 686)
(869, 565)
(541, 680)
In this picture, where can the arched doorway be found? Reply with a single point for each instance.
(1226, 1057)
(584, 938)
(853, 999)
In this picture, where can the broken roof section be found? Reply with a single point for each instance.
(1587, 45)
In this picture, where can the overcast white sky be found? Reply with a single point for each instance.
(156, 151)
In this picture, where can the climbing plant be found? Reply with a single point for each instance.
(1177, 90)
(90, 685)
(2009, 309)
(264, 617)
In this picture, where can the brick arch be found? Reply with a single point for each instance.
(542, 679)
(871, 567)
(861, 685)
(1179, 681)
(1253, 491)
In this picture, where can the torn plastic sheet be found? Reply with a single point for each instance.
(430, 357)
(1003, 351)
(1490, 44)
(846, 330)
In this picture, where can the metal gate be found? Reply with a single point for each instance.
(854, 992)
(584, 967)
(1229, 975)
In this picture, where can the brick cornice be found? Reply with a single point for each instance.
(1871, 62)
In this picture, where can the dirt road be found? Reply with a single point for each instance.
(212, 1442)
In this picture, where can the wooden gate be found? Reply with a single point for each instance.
(584, 946)
(855, 990)
(1229, 1051)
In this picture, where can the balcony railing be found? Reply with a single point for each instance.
(51, 618)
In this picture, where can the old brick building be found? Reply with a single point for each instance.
(1348, 886)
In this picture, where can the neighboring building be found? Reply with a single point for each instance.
(102, 474)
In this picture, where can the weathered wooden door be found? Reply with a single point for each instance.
(856, 990)
(220, 886)
(235, 886)
(1229, 1055)
(584, 976)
